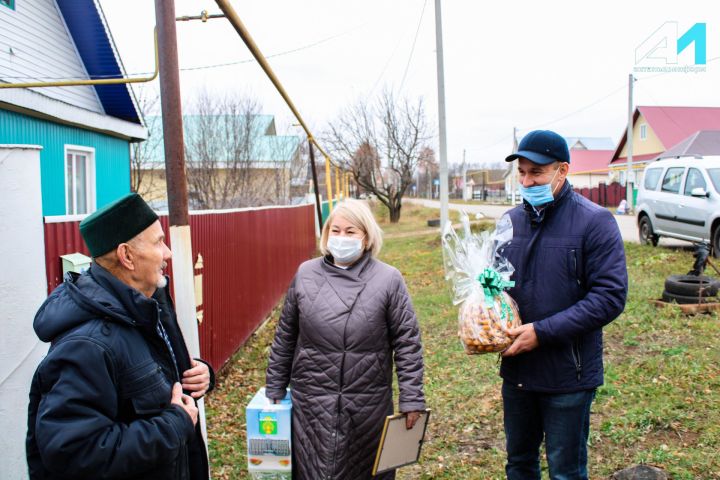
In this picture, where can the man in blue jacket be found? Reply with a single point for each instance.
(570, 281)
(115, 395)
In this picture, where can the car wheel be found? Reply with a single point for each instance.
(685, 300)
(716, 242)
(691, 286)
(647, 236)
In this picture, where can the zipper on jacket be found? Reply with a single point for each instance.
(576, 357)
(575, 267)
(170, 353)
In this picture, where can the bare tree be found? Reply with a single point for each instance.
(428, 170)
(144, 156)
(381, 144)
(233, 161)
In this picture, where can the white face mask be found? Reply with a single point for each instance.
(345, 249)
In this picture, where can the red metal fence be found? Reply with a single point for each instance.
(249, 258)
(604, 195)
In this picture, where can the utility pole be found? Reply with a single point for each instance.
(464, 167)
(183, 271)
(430, 188)
(444, 217)
(629, 147)
(513, 172)
(316, 189)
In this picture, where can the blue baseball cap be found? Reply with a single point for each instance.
(542, 147)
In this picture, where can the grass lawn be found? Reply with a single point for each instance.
(660, 403)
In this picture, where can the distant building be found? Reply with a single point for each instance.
(268, 165)
(485, 184)
(590, 143)
(589, 159)
(589, 168)
(656, 130)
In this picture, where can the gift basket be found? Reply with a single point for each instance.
(479, 275)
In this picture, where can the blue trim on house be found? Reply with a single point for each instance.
(95, 47)
(112, 157)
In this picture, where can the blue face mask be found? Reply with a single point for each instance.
(539, 194)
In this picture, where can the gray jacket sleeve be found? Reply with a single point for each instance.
(407, 347)
(282, 351)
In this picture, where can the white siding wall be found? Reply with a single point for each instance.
(587, 180)
(42, 47)
(23, 285)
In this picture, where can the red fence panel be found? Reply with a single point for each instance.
(249, 257)
(604, 195)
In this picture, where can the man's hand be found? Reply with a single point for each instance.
(410, 419)
(525, 340)
(187, 403)
(197, 379)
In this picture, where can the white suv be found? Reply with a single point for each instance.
(680, 198)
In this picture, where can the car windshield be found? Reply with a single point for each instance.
(715, 177)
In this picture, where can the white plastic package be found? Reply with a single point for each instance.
(479, 275)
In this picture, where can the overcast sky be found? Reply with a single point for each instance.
(562, 65)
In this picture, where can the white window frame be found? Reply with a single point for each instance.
(643, 131)
(89, 153)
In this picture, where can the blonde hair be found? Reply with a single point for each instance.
(358, 213)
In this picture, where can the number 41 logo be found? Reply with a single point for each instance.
(665, 44)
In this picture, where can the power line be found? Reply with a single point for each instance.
(582, 109)
(412, 50)
(205, 67)
(382, 72)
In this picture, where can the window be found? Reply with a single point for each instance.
(694, 180)
(715, 177)
(79, 180)
(8, 3)
(652, 175)
(671, 182)
(643, 131)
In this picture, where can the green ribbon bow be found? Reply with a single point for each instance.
(493, 285)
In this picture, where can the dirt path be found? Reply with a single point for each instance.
(414, 233)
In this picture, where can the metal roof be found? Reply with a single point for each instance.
(700, 143)
(267, 150)
(590, 143)
(86, 24)
(671, 125)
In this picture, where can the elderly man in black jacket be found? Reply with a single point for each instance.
(115, 396)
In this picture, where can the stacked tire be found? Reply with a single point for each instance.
(690, 289)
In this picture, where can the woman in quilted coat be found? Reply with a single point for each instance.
(346, 317)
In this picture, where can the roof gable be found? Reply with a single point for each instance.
(88, 29)
(673, 124)
(590, 143)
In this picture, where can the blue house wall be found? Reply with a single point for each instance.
(112, 157)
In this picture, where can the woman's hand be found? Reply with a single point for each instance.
(411, 418)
